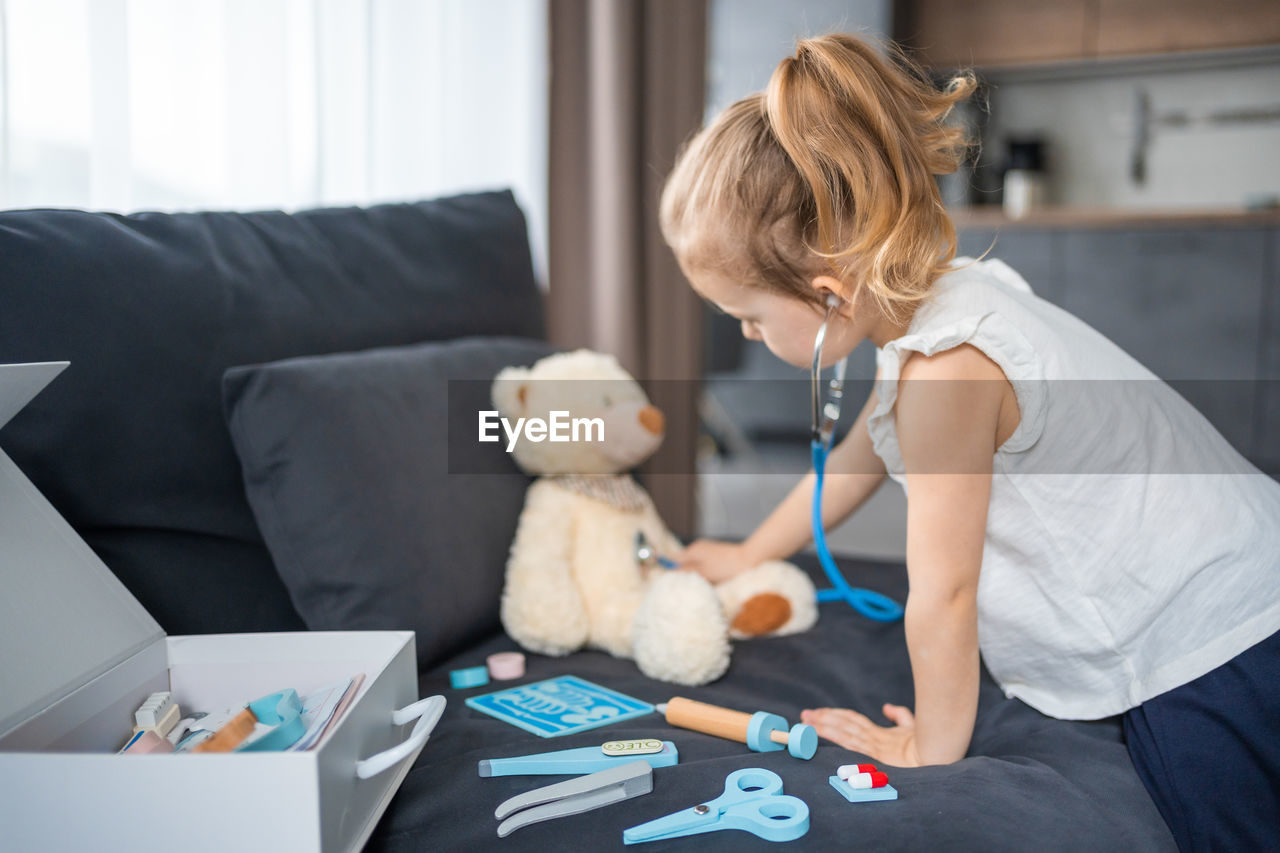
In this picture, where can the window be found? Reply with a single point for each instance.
(188, 104)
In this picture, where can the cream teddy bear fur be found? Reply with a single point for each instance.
(573, 580)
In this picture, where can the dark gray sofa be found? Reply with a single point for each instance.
(132, 446)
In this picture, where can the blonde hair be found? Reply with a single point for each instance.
(828, 171)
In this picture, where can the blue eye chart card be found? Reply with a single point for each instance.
(559, 706)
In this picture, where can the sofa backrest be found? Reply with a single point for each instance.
(130, 442)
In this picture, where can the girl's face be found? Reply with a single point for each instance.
(785, 324)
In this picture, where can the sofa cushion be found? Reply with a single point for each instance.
(150, 309)
(347, 464)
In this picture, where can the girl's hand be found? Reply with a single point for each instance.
(715, 561)
(894, 745)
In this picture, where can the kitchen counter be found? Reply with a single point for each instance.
(992, 216)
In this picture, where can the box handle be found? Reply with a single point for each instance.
(427, 712)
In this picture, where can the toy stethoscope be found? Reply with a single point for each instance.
(869, 603)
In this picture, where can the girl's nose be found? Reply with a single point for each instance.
(749, 331)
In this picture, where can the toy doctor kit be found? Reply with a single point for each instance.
(80, 656)
(276, 722)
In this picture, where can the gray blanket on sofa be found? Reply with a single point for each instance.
(1029, 782)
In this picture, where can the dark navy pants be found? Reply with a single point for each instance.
(1209, 753)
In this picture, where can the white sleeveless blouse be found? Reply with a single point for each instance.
(1129, 548)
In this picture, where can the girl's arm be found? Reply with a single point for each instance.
(787, 529)
(948, 440)
(947, 430)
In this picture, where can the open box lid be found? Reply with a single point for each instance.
(64, 617)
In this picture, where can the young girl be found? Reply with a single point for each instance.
(1104, 547)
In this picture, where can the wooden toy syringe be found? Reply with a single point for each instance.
(761, 731)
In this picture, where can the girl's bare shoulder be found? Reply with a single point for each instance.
(955, 402)
(961, 362)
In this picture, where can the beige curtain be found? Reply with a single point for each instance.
(627, 84)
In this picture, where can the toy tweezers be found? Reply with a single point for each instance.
(574, 796)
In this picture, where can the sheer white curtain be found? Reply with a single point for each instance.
(245, 104)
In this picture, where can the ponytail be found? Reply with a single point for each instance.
(866, 136)
(827, 172)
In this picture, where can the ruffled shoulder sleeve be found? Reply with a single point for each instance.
(995, 336)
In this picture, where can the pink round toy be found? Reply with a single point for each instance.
(505, 666)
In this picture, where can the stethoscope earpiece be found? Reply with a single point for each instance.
(825, 415)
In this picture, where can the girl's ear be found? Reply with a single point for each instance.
(510, 391)
(827, 287)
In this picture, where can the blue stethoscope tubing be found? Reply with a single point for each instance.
(869, 603)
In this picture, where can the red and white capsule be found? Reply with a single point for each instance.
(844, 771)
(874, 779)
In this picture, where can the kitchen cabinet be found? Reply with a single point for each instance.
(1195, 299)
(981, 33)
(1035, 254)
(1129, 27)
(1187, 303)
(1194, 304)
(1009, 33)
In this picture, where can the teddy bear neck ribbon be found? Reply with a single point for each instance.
(619, 491)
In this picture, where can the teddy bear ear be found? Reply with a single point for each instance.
(510, 391)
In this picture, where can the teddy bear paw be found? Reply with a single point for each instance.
(771, 599)
(680, 633)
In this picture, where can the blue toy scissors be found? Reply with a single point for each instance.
(752, 801)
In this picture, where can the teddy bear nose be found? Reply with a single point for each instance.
(652, 420)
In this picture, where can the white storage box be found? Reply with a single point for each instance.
(78, 654)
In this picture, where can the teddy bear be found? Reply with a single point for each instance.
(579, 422)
